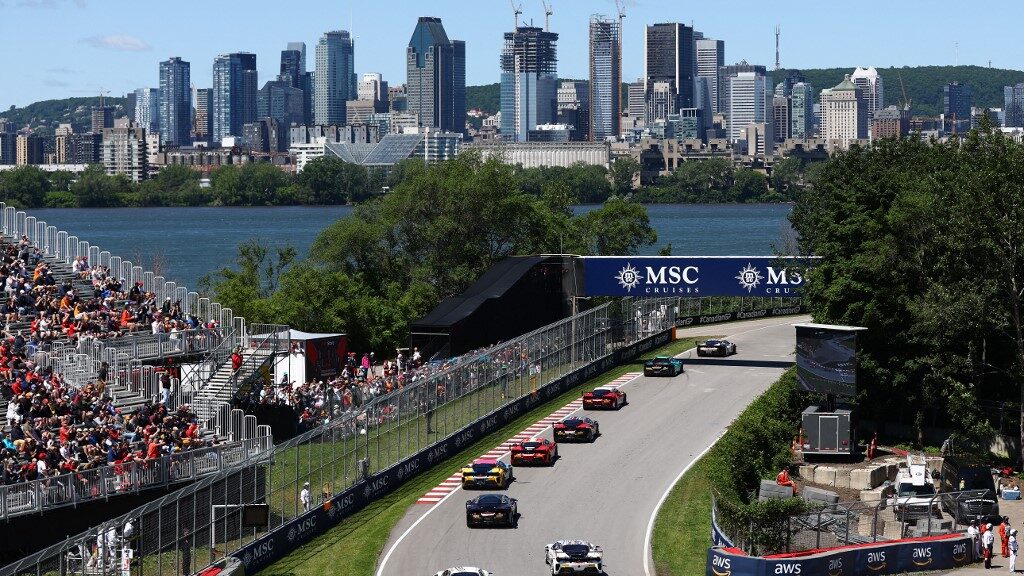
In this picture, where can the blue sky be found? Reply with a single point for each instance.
(61, 48)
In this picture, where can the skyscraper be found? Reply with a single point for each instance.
(749, 102)
(175, 104)
(605, 78)
(102, 117)
(202, 129)
(711, 57)
(147, 109)
(669, 59)
(801, 111)
(436, 77)
(529, 79)
(281, 101)
(871, 85)
(293, 66)
(574, 108)
(781, 123)
(334, 82)
(844, 114)
(234, 94)
(374, 88)
(956, 102)
(725, 75)
(1013, 106)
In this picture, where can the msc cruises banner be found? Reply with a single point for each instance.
(694, 276)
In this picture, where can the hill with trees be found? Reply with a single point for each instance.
(44, 117)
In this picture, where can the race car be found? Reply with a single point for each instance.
(487, 473)
(577, 428)
(604, 397)
(492, 509)
(534, 451)
(716, 348)
(663, 366)
(463, 571)
(574, 557)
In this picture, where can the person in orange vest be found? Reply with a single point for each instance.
(783, 480)
(872, 447)
(1004, 536)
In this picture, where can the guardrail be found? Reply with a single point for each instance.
(72, 489)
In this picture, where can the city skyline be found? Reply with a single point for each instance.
(107, 45)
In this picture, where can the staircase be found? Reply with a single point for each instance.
(214, 399)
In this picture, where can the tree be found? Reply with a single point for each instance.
(748, 185)
(620, 227)
(786, 176)
(331, 180)
(625, 170)
(245, 289)
(24, 187)
(95, 189)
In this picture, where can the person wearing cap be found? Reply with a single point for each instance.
(1013, 549)
(1004, 536)
(987, 540)
(305, 497)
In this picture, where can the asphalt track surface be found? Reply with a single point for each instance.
(606, 492)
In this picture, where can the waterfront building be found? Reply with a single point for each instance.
(123, 151)
(436, 77)
(28, 150)
(335, 79)
(529, 80)
(174, 107)
(605, 77)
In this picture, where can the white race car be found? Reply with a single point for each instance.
(463, 571)
(574, 557)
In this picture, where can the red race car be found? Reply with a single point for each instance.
(534, 451)
(604, 398)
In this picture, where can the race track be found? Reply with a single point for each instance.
(605, 492)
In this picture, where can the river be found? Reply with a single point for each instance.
(193, 242)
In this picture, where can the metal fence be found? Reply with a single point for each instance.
(203, 522)
(38, 496)
(826, 525)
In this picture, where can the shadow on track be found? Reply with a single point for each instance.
(746, 363)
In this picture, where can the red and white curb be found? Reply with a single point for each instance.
(451, 483)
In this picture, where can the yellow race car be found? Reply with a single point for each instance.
(487, 473)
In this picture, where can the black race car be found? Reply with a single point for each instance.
(493, 510)
(663, 366)
(576, 429)
(716, 348)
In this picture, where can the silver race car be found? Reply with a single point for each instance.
(574, 557)
(463, 571)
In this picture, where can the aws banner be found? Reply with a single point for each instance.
(694, 276)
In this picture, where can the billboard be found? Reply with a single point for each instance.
(826, 358)
(694, 276)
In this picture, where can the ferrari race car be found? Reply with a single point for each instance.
(534, 451)
(604, 398)
(716, 348)
(463, 571)
(487, 473)
(663, 366)
(577, 428)
(574, 557)
(492, 509)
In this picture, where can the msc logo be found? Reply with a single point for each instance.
(487, 424)
(876, 561)
(749, 277)
(511, 411)
(628, 277)
(291, 534)
(835, 567)
(959, 552)
(437, 454)
(664, 278)
(375, 487)
(922, 556)
(345, 503)
(788, 569)
(259, 552)
(721, 566)
(464, 438)
(407, 469)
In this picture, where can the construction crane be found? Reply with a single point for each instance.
(620, 6)
(547, 15)
(906, 101)
(517, 10)
(103, 92)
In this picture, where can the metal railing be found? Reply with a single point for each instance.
(828, 525)
(202, 523)
(72, 489)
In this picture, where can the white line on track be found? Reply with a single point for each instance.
(387, 556)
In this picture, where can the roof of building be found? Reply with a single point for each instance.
(846, 84)
(392, 149)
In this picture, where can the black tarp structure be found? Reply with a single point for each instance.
(517, 295)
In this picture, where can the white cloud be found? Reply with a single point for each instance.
(119, 42)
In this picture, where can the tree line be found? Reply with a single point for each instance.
(923, 244)
(395, 257)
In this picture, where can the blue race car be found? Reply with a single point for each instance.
(663, 366)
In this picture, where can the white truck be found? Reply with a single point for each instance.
(914, 492)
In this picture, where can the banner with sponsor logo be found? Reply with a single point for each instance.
(896, 557)
(744, 315)
(274, 545)
(694, 276)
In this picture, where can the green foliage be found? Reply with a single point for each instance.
(331, 180)
(24, 187)
(95, 189)
(582, 183)
(486, 97)
(624, 170)
(923, 244)
(43, 117)
(924, 84)
(441, 227)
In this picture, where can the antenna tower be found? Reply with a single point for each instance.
(778, 31)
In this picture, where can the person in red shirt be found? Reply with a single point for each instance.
(153, 452)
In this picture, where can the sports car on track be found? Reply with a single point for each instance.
(574, 557)
(487, 473)
(577, 429)
(463, 571)
(716, 348)
(663, 366)
(492, 510)
(534, 451)
(604, 397)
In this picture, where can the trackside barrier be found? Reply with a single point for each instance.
(944, 552)
(729, 316)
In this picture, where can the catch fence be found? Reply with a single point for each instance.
(204, 522)
(827, 524)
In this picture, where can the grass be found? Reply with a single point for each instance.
(682, 530)
(352, 547)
